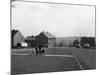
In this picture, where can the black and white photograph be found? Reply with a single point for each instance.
(52, 37)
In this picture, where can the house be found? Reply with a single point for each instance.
(31, 40)
(16, 38)
(45, 39)
(88, 40)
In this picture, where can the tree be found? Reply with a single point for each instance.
(55, 44)
(75, 43)
(61, 44)
(19, 45)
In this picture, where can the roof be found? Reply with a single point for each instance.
(30, 38)
(13, 32)
(48, 35)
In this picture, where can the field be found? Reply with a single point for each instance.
(67, 39)
(54, 59)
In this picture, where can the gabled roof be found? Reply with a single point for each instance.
(48, 35)
(13, 32)
(31, 38)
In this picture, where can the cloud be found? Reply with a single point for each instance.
(61, 20)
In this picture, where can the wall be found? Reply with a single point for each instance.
(18, 38)
(42, 40)
(51, 42)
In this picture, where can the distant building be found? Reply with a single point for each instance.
(45, 39)
(31, 40)
(88, 40)
(16, 37)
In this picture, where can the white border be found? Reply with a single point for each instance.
(5, 37)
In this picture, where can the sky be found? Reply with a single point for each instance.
(61, 20)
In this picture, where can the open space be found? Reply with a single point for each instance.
(54, 59)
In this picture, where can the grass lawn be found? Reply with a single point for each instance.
(23, 64)
(88, 56)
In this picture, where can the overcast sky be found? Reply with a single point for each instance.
(59, 19)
